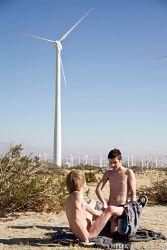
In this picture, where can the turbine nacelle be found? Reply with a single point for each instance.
(58, 44)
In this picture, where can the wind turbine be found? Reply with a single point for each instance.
(59, 65)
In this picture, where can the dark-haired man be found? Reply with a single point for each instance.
(122, 184)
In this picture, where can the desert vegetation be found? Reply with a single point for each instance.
(26, 184)
(153, 183)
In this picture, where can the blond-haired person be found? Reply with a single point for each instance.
(84, 221)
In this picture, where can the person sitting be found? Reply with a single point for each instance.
(85, 222)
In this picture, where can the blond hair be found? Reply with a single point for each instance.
(75, 180)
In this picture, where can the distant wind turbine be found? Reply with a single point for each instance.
(161, 57)
(59, 65)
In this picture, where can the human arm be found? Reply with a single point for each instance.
(132, 185)
(100, 187)
(92, 210)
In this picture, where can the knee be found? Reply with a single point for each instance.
(111, 209)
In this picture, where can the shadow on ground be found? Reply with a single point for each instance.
(48, 241)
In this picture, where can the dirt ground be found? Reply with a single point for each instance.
(25, 231)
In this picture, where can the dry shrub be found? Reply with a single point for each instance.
(137, 170)
(91, 177)
(87, 168)
(25, 185)
(157, 193)
(160, 192)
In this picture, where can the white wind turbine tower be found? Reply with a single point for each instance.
(57, 121)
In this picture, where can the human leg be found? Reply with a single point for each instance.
(99, 223)
(114, 220)
(114, 223)
(89, 216)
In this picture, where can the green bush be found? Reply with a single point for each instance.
(26, 185)
(91, 177)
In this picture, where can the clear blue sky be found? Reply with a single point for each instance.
(116, 94)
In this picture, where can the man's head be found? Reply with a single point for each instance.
(75, 180)
(115, 158)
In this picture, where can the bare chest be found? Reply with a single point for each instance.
(118, 180)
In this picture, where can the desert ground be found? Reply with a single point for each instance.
(30, 230)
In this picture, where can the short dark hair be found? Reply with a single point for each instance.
(115, 153)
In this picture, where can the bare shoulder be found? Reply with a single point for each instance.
(68, 200)
(129, 172)
(107, 174)
(73, 200)
(75, 196)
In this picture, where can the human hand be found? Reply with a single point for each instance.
(104, 205)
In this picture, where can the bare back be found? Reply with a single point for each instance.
(76, 215)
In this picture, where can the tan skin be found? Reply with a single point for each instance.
(84, 221)
(122, 184)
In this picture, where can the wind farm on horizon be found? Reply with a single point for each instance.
(142, 161)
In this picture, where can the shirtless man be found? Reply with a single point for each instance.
(122, 185)
(84, 221)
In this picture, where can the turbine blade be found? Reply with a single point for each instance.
(62, 69)
(161, 57)
(38, 37)
(73, 27)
